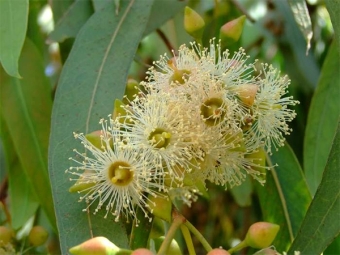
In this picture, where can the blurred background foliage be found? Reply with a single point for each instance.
(42, 44)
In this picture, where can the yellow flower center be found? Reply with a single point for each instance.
(120, 173)
(159, 138)
(213, 111)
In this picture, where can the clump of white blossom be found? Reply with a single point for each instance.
(201, 116)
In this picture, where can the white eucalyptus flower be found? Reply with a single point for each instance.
(270, 112)
(121, 177)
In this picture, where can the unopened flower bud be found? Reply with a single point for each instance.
(6, 234)
(160, 207)
(142, 251)
(131, 90)
(173, 248)
(37, 236)
(119, 112)
(231, 31)
(218, 251)
(267, 251)
(96, 246)
(82, 184)
(258, 157)
(261, 234)
(95, 139)
(247, 93)
(193, 23)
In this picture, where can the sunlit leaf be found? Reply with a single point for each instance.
(72, 21)
(26, 108)
(301, 15)
(284, 198)
(93, 77)
(322, 120)
(13, 26)
(322, 223)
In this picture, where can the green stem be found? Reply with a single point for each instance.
(198, 235)
(178, 220)
(188, 240)
(238, 247)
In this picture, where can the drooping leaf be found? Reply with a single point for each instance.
(22, 200)
(161, 11)
(26, 108)
(301, 15)
(77, 14)
(72, 21)
(93, 77)
(100, 4)
(300, 66)
(13, 25)
(333, 8)
(322, 120)
(284, 198)
(321, 224)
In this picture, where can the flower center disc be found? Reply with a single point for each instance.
(159, 138)
(213, 111)
(120, 173)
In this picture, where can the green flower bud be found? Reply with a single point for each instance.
(231, 31)
(259, 158)
(267, 251)
(193, 23)
(160, 207)
(173, 249)
(95, 139)
(80, 185)
(218, 251)
(96, 246)
(37, 236)
(131, 90)
(6, 235)
(261, 234)
(119, 111)
(142, 251)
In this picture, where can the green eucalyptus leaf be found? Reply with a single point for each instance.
(72, 21)
(26, 108)
(322, 120)
(93, 76)
(284, 198)
(321, 224)
(333, 8)
(242, 194)
(22, 199)
(301, 15)
(13, 26)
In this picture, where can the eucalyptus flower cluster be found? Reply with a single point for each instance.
(203, 115)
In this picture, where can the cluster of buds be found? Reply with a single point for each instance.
(37, 236)
(200, 116)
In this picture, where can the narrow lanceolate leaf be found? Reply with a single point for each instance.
(321, 225)
(322, 120)
(72, 21)
(301, 15)
(284, 198)
(13, 26)
(333, 8)
(26, 108)
(93, 77)
(22, 200)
